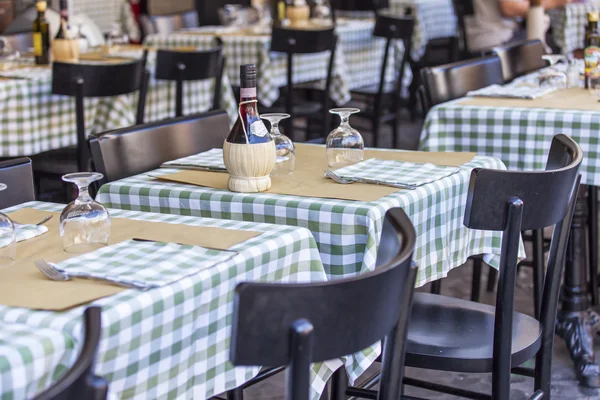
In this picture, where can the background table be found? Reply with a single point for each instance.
(170, 342)
(32, 120)
(347, 232)
(569, 23)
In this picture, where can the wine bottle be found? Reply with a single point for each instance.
(41, 35)
(64, 21)
(249, 128)
(591, 53)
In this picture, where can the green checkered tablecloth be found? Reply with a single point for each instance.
(358, 59)
(347, 232)
(569, 22)
(32, 120)
(171, 342)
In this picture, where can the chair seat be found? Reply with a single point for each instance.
(449, 334)
(372, 90)
(300, 108)
(56, 162)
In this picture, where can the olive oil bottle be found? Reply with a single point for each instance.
(41, 35)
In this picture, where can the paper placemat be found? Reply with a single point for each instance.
(22, 285)
(308, 179)
(564, 99)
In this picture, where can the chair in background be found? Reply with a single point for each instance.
(383, 99)
(452, 81)
(89, 81)
(294, 42)
(167, 24)
(134, 150)
(449, 334)
(463, 9)
(80, 382)
(520, 58)
(298, 324)
(17, 175)
(22, 42)
(181, 66)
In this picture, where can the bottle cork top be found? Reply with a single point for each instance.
(41, 5)
(593, 16)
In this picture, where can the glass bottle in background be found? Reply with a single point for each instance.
(345, 145)
(64, 21)
(591, 54)
(249, 128)
(41, 35)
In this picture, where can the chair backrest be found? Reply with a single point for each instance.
(180, 66)
(462, 9)
(359, 5)
(452, 81)
(520, 58)
(131, 151)
(81, 80)
(17, 175)
(512, 202)
(296, 324)
(20, 41)
(167, 24)
(80, 382)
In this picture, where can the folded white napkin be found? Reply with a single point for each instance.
(26, 231)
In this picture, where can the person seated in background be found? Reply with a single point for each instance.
(498, 22)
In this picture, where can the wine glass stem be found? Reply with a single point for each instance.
(345, 121)
(275, 128)
(84, 195)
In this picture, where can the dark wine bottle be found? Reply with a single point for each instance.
(41, 35)
(249, 128)
(64, 20)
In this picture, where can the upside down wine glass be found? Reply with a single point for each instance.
(84, 223)
(8, 246)
(345, 145)
(284, 147)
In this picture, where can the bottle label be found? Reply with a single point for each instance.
(37, 44)
(259, 129)
(592, 59)
(247, 93)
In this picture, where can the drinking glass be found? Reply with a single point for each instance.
(116, 38)
(345, 145)
(230, 15)
(84, 223)
(8, 245)
(284, 147)
(594, 80)
(7, 53)
(321, 12)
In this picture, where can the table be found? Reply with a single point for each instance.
(347, 232)
(170, 342)
(521, 137)
(32, 120)
(357, 63)
(568, 24)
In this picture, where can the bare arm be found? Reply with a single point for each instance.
(513, 8)
(548, 4)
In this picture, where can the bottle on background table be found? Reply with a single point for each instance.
(63, 29)
(591, 53)
(41, 35)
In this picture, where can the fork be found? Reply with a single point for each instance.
(346, 181)
(56, 274)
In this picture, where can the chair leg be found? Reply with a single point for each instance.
(436, 287)
(593, 232)
(476, 281)
(339, 384)
(491, 281)
(235, 394)
(538, 270)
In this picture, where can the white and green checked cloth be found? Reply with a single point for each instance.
(357, 63)
(171, 342)
(155, 264)
(28, 231)
(569, 23)
(347, 232)
(396, 172)
(32, 120)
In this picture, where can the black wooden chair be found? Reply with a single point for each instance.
(383, 99)
(463, 9)
(449, 334)
(80, 382)
(520, 58)
(17, 175)
(294, 42)
(452, 81)
(297, 324)
(89, 81)
(180, 66)
(130, 151)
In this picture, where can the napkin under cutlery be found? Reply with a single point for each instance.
(211, 160)
(29, 73)
(523, 91)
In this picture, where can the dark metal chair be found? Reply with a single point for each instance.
(463, 9)
(134, 150)
(383, 99)
(520, 58)
(294, 42)
(449, 334)
(17, 174)
(297, 324)
(89, 81)
(452, 81)
(180, 66)
(80, 382)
